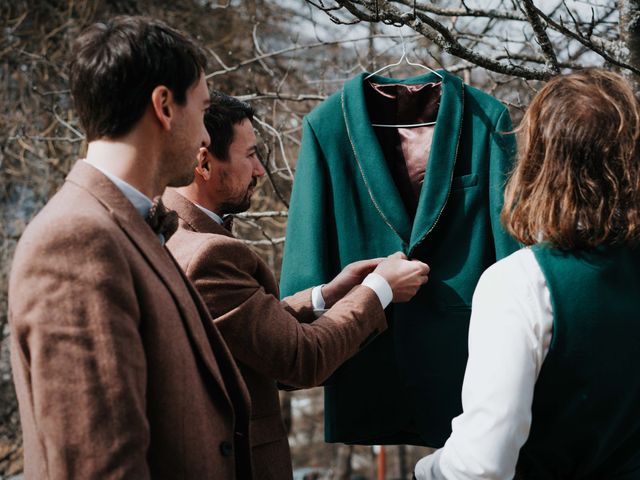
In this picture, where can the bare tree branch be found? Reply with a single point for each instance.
(551, 61)
(419, 17)
(272, 214)
(283, 51)
(439, 34)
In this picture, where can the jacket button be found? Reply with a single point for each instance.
(226, 449)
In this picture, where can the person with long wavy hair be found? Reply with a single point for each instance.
(552, 388)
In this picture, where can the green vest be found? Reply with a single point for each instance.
(404, 387)
(586, 404)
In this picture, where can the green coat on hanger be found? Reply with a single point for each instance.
(404, 387)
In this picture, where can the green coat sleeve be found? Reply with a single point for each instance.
(503, 150)
(306, 263)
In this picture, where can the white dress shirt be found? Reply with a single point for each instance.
(375, 282)
(140, 201)
(213, 215)
(509, 336)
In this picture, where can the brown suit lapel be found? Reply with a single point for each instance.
(192, 218)
(191, 215)
(99, 186)
(218, 344)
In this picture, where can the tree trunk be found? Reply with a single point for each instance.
(402, 461)
(285, 408)
(372, 48)
(630, 35)
(343, 462)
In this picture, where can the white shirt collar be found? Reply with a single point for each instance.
(213, 215)
(140, 201)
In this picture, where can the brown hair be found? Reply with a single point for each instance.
(224, 112)
(116, 64)
(577, 180)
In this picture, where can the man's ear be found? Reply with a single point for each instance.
(203, 168)
(162, 102)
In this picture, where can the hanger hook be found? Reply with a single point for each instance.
(404, 47)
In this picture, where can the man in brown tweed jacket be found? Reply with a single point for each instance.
(119, 371)
(271, 340)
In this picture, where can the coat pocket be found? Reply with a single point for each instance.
(464, 181)
(267, 429)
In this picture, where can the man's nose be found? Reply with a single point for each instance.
(207, 139)
(259, 170)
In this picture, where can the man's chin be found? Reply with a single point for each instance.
(239, 207)
(184, 180)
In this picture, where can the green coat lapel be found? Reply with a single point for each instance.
(373, 166)
(442, 159)
(370, 159)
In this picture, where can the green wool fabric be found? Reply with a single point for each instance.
(404, 387)
(586, 404)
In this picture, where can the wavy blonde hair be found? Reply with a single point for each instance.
(576, 183)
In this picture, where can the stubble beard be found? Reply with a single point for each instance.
(236, 206)
(239, 205)
(174, 158)
(186, 178)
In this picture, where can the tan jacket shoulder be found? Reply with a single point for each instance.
(106, 337)
(262, 332)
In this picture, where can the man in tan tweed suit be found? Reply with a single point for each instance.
(271, 340)
(119, 371)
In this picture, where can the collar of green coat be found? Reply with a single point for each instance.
(373, 166)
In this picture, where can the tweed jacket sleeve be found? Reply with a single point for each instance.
(266, 334)
(82, 335)
(300, 306)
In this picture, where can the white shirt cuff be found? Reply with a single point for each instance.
(381, 287)
(375, 282)
(424, 469)
(317, 300)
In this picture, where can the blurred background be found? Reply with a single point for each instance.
(284, 57)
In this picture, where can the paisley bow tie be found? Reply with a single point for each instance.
(161, 220)
(227, 222)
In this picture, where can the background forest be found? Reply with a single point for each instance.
(284, 57)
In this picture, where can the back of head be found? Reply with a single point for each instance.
(223, 113)
(115, 65)
(577, 180)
